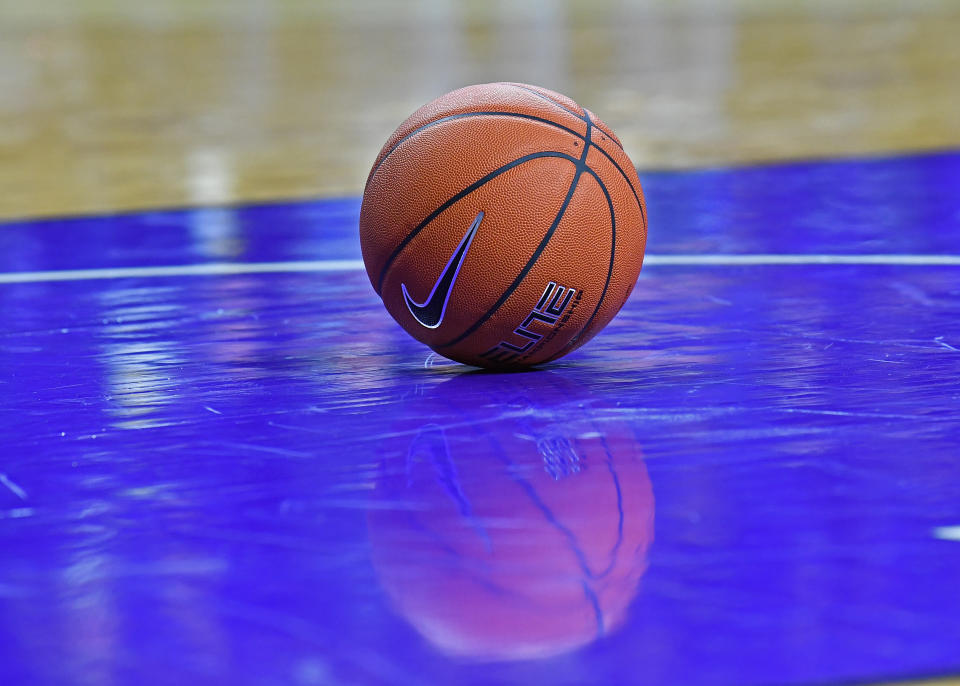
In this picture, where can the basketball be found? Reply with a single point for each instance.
(503, 225)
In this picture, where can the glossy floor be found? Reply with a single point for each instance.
(211, 475)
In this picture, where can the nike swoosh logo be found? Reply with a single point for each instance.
(430, 312)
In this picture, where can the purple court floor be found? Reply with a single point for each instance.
(212, 472)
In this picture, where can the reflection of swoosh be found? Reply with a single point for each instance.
(430, 312)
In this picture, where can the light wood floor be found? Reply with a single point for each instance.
(111, 105)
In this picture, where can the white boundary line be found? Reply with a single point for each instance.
(232, 268)
(772, 259)
(210, 269)
(947, 533)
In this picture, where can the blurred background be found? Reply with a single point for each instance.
(205, 470)
(113, 105)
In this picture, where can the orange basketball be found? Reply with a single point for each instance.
(503, 225)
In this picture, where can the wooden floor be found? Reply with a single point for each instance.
(106, 105)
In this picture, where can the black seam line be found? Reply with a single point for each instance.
(626, 178)
(615, 142)
(544, 97)
(467, 115)
(466, 191)
(606, 285)
(565, 109)
(643, 215)
(581, 166)
(613, 139)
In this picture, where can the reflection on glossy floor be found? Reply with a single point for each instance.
(749, 478)
(107, 106)
(216, 470)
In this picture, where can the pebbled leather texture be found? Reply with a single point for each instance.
(562, 205)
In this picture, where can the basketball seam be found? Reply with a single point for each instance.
(465, 115)
(546, 98)
(587, 145)
(608, 132)
(581, 166)
(613, 251)
(542, 96)
(459, 196)
(626, 178)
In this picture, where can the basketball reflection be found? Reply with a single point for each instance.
(511, 517)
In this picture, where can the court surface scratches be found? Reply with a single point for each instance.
(213, 471)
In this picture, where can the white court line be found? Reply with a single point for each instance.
(229, 268)
(210, 269)
(947, 533)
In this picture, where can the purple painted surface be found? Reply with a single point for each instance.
(263, 480)
(895, 205)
